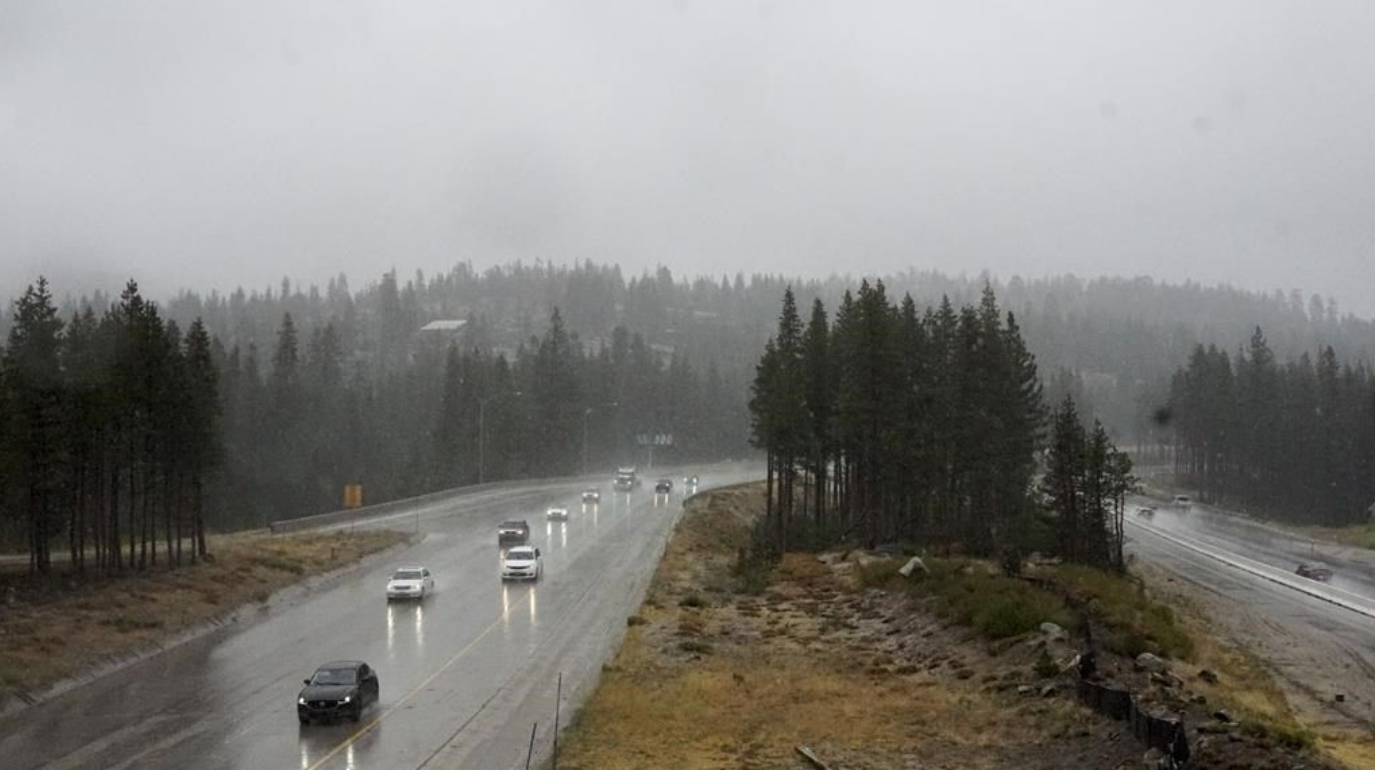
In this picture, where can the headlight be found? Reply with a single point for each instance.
(300, 701)
(346, 699)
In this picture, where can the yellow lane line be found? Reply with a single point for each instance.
(352, 739)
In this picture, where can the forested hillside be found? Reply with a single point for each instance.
(319, 386)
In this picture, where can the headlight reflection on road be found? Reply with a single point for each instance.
(505, 607)
(351, 762)
(391, 626)
(563, 535)
(419, 625)
(548, 531)
(533, 595)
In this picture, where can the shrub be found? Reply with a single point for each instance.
(878, 573)
(996, 607)
(692, 600)
(695, 646)
(635, 620)
(753, 571)
(1045, 667)
(1136, 623)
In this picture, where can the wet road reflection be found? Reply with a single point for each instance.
(439, 667)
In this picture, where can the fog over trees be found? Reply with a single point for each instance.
(299, 390)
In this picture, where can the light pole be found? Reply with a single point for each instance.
(482, 432)
(585, 413)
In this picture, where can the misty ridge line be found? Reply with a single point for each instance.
(1112, 342)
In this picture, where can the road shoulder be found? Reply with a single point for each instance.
(59, 633)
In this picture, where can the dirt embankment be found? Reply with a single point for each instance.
(713, 675)
(54, 629)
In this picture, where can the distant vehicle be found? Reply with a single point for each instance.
(1182, 501)
(513, 532)
(410, 583)
(1145, 511)
(556, 514)
(522, 563)
(592, 495)
(336, 690)
(1314, 570)
(626, 479)
(663, 486)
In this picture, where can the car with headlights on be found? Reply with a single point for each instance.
(410, 583)
(558, 513)
(592, 495)
(663, 486)
(513, 532)
(522, 563)
(338, 690)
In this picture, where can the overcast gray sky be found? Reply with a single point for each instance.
(209, 145)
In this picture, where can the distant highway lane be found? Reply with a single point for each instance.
(1319, 639)
(465, 675)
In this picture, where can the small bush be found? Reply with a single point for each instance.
(753, 571)
(997, 607)
(1010, 561)
(1288, 735)
(692, 600)
(1136, 623)
(878, 573)
(695, 646)
(1045, 667)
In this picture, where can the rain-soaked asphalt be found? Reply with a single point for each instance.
(465, 675)
(1318, 648)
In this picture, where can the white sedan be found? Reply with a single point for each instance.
(522, 563)
(410, 583)
(556, 514)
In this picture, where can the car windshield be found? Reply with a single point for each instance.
(335, 676)
(513, 525)
(407, 574)
(520, 554)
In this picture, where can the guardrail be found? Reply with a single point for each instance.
(364, 513)
(354, 515)
(1330, 594)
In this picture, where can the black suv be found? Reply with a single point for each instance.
(663, 487)
(513, 532)
(339, 689)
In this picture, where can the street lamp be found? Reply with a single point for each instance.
(585, 413)
(482, 431)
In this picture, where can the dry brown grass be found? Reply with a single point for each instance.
(737, 710)
(57, 633)
(740, 681)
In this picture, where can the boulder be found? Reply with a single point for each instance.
(1148, 662)
(913, 565)
(1207, 676)
(830, 558)
(1053, 631)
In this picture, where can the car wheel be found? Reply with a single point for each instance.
(304, 720)
(357, 712)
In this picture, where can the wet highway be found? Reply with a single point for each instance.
(465, 675)
(1245, 569)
